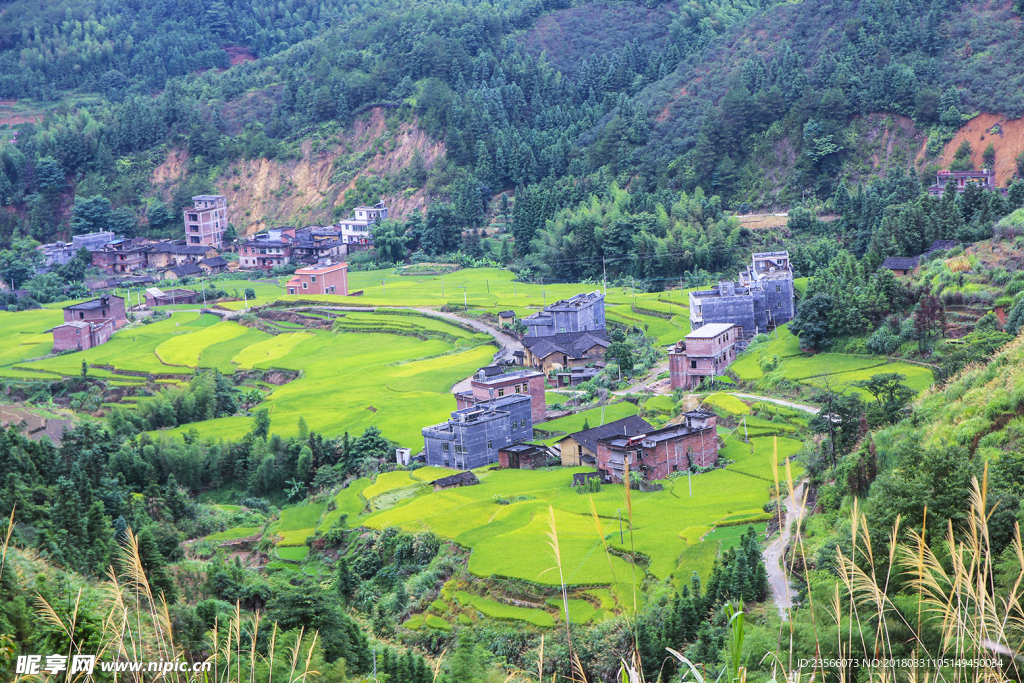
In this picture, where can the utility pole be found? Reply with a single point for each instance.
(488, 281)
(604, 275)
(619, 513)
(442, 286)
(383, 287)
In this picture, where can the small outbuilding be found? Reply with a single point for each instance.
(901, 266)
(455, 481)
(506, 317)
(523, 456)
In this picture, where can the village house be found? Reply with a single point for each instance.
(580, 448)
(355, 232)
(212, 266)
(59, 253)
(759, 301)
(985, 179)
(656, 454)
(492, 383)
(574, 376)
(169, 297)
(164, 255)
(323, 278)
(524, 456)
(315, 244)
(565, 350)
(473, 436)
(901, 266)
(206, 220)
(580, 313)
(455, 481)
(81, 335)
(267, 250)
(506, 317)
(121, 256)
(705, 352)
(185, 270)
(106, 307)
(89, 323)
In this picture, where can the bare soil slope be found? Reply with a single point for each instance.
(1006, 135)
(266, 193)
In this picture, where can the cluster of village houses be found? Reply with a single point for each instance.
(493, 421)
(141, 261)
(319, 251)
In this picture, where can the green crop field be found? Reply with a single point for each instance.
(499, 610)
(293, 553)
(511, 540)
(234, 533)
(728, 403)
(300, 517)
(918, 377)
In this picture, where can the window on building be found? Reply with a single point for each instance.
(305, 285)
(312, 278)
(488, 444)
(778, 288)
(444, 446)
(778, 304)
(516, 387)
(693, 365)
(501, 392)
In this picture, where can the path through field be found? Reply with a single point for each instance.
(775, 553)
(782, 402)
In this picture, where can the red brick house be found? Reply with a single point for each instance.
(98, 310)
(705, 352)
(658, 453)
(80, 335)
(491, 383)
(323, 278)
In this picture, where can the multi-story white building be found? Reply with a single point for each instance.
(356, 230)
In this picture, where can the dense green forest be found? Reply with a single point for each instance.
(130, 81)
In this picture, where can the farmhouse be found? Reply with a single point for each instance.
(472, 437)
(89, 323)
(210, 266)
(164, 255)
(901, 266)
(185, 270)
(658, 453)
(323, 278)
(760, 300)
(206, 220)
(985, 179)
(59, 253)
(506, 317)
(120, 256)
(705, 352)
(268, 249)
(80, 335)
(170, 297)
(580, 448)
(565, 350)
(579, 313)
(492, 383)
(523, 456)
(315, 244)
(455, 481)
(106, 307)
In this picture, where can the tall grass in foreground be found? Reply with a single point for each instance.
(962, 616)
(136, 626)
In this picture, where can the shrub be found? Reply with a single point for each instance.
(883, 342)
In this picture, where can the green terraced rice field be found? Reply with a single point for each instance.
(728, 403)
(293, 553)
(300, 516)
(499, 610)
(234, 533)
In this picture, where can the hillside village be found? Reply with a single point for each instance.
(581, 342)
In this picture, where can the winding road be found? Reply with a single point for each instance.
(775, 553)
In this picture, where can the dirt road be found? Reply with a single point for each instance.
(775, 554)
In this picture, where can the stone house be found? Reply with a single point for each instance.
(761, 299)
(580, 313)
(658, 453)
(705, 352)
(523, 456)
(472, 436)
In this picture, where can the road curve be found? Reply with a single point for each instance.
(775, 554)
(780, 401)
